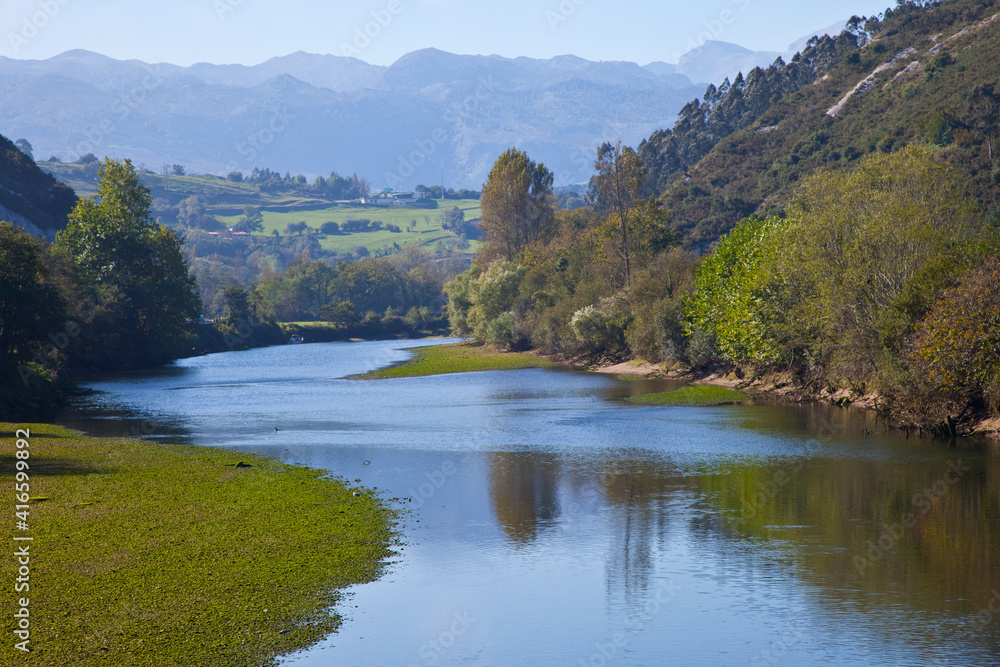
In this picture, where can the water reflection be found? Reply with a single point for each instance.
(558, 515)
(524, 492)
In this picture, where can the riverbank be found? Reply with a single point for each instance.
(780, 387)
(146, 554)
(459, 358)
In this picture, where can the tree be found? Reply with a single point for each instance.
(330, 228)
(177, 170)
(342, 314)
(252, 220)
(136, 264)
(296, 227)
(191, 213)
(959, 342)
(31, 308)
(25, 147)
(728, 287)
(238, 306)
(517, 204)
(984, 114)
(867, 251)
(617, 183)
(452, 218)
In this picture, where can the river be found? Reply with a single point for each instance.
(550, 523)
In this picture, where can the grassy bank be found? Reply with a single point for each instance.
(148, 554)
(695, 395)
(460, 358)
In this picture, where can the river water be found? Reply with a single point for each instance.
(550, 523)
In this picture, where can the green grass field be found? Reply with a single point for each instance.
(152, 554)
(459, 358)
(187, 185)
(696, 395)
(427, 231)
(228, 196)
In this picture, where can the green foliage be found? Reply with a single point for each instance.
(314, 290)
(758, 154)
(492, 297)
(296, 227)
(729, 289)
(958, 345)
(616, 189)
(136, 269)
(939, 63)
(342, 314)
(31, 307)
(238, 305)
(592, 327)
(937, 129)
(657, 295)
(252, 220)
(866, 252)
(192, 214)
(27, 191)
(517, 204)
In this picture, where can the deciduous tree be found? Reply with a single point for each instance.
(517, 204)
(616, 185)
(31, 308)
(136, 263)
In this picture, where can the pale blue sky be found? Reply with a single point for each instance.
(251, 31)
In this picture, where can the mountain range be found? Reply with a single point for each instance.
(430, 116)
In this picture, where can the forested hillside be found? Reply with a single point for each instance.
(919, 74)
(823, 219)
(28, 192)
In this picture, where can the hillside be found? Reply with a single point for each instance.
(204, 203)
(29, 197)
(922, 75)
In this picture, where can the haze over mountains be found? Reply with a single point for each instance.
(431, 116)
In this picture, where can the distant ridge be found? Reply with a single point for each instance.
(428, 116)
(429, 113)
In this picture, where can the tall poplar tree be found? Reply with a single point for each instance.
(517, 204)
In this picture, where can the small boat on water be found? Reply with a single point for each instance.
(296, 340)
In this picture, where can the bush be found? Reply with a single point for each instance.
(729, 288)
(959, 343)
